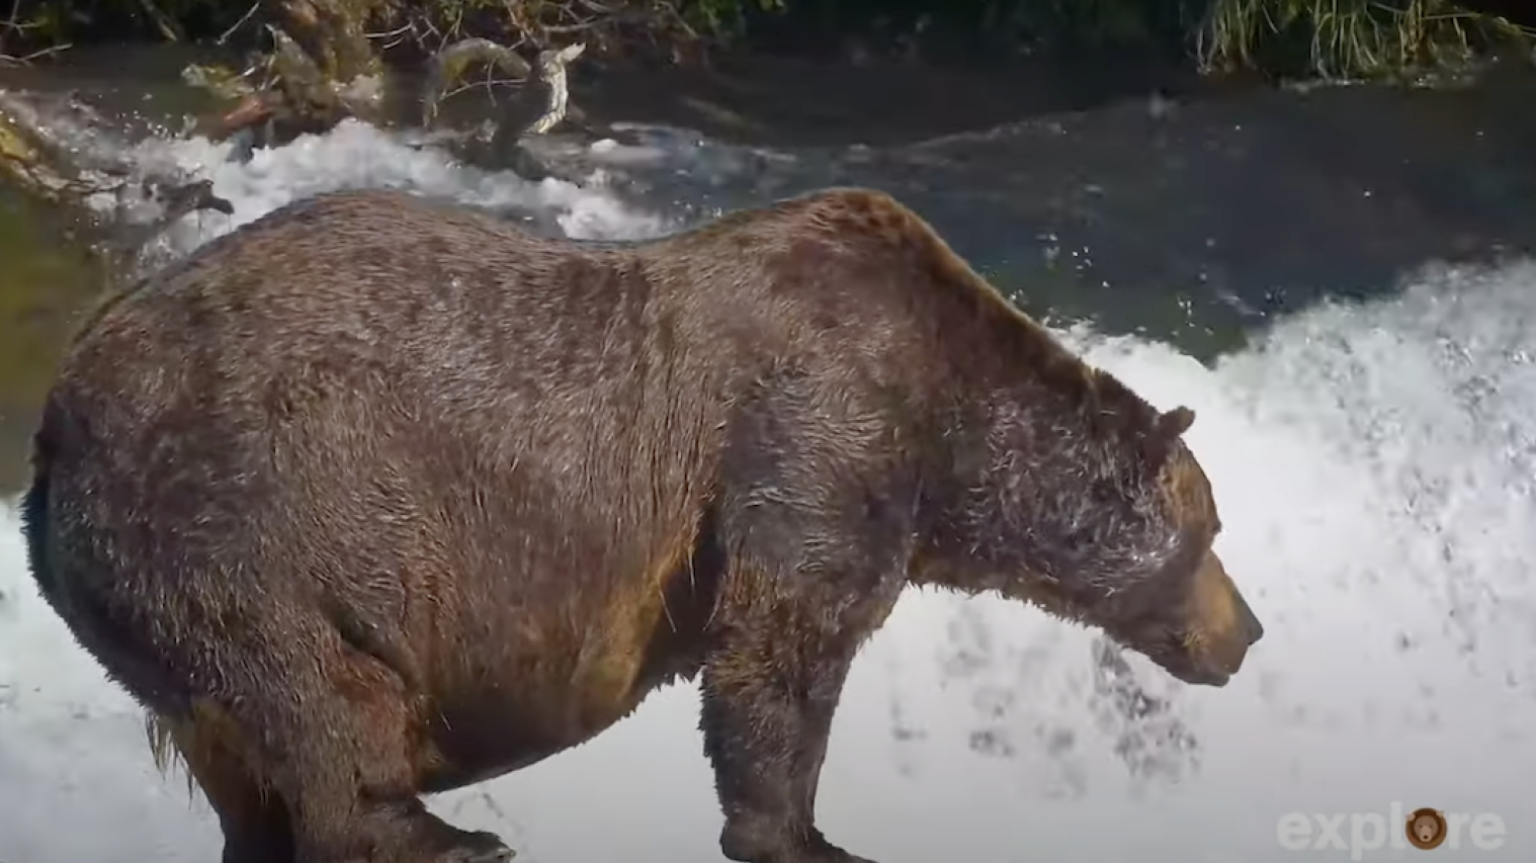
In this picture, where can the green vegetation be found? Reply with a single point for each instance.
(607, 26)
(1330, 38)
(1349, 38)
(1327, 38)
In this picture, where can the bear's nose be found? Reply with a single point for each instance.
(1251, 623)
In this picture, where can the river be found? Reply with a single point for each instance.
(1333, 280)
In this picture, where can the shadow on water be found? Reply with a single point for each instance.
(43, 283)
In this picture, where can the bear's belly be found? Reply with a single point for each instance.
(480, 735)
(542, 696)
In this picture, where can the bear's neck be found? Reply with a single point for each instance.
(1020, 507)
(1037, 475)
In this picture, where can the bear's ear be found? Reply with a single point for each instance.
(1159, 441)
(1175, 422)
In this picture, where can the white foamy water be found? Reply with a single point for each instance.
(1374, 466)
(356, 155)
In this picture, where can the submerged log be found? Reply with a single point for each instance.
(37, 163)
(22, 164)
(30, 160)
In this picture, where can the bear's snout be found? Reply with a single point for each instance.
(1252, 628)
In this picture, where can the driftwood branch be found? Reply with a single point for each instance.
(13, 26)
(553, 73)
(449, 66)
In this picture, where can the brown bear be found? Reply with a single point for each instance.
(377, 497)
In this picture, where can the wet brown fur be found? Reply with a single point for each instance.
(377, 497)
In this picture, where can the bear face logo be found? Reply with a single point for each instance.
(1426, 829)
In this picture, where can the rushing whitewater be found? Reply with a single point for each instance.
(1375, 468)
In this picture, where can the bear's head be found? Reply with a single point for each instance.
(1112, 529)
(1169, 596)
(1174, 601)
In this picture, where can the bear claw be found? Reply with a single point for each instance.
(480, 847)
(479, 855)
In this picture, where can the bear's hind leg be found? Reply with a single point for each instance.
(770, 688)
(336, 732)
(251, 815)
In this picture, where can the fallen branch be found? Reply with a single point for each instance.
(298, 95)
(14, 26)
(224, 37)
(167, 25)
(448, 66)
(489, 143)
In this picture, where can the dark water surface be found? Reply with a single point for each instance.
(1194, 222)
(1189, 219)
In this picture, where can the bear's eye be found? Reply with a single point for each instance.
(1104, 491)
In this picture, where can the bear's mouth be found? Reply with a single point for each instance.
(1199, 676)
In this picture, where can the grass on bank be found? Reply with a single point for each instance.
(1327, 38)
(1349, 38)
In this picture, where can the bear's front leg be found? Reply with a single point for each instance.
(771, 684)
